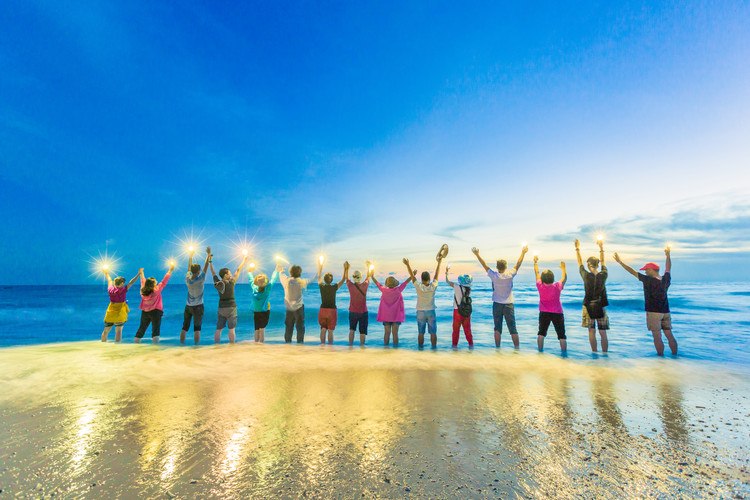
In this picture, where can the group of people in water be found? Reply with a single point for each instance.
(391, 312)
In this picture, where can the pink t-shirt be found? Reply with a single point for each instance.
(357, 300)
(549, 296)
(392, 303)
(153, 301)
(117, 294)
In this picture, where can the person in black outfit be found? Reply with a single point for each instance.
(655, 287)
(595, 298)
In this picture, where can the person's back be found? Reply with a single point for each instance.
(225, 287)
(117, 294)
(549, 296)
(261, 295)
(426, 295)
(502, 285)
(655, 292)
(655, 286)
(328, 295)
(358, 316)
(293, 288)
(550, 307)
(153, 300)
(195, 285)
(357, 296)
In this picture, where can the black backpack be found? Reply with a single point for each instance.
(464, 308)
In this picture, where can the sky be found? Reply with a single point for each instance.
(372, 131)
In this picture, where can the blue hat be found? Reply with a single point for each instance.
(465, 280)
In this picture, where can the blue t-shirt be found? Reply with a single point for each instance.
(195, 288)
(260, 299)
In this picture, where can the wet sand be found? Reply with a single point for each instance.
(93, 420)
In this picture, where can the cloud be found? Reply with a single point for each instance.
(451, 232)
(721, 227)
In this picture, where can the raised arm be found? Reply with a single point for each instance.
(668, 264)
(165, 279)
(320, 273)
(475, 251)
(190, 261)
(239, 269)
(520, 259)
(343, 277)
(374, 279)
(109, 280)
(578, 253)
(135, 278)
(211, 264)
(625, 266)
(564, 273)
(448, 280)
(408, 268)
(208, 259)
(536, 267)
(601, 252)
(437, 269)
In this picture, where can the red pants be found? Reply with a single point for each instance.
(459, 321)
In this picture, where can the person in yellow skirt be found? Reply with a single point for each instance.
(117, 312)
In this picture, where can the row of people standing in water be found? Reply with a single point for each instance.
(391, 311)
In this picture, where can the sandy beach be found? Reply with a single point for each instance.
(91, 420)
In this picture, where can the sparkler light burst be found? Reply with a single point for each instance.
(104, 262)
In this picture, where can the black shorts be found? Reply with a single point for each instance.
(557, 319)
(196, 314)
(261, 319)
(361, 319)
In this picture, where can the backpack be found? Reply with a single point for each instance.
(464, 308)
(594, 306)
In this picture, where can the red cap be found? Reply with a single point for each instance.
(651, 265)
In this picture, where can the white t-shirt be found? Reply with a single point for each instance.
(293, 288)
(502, 285)
(426, 295)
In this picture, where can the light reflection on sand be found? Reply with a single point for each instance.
(287, 421)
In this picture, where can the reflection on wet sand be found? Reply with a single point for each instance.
(672, 413)
(383, 424)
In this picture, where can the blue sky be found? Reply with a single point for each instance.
(375, 132)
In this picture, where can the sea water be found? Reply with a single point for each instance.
(710, 320)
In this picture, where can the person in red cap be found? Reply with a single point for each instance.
(657, 306)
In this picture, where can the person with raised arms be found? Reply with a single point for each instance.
(261, 290)
(595, 296)
(117, 311)
(195, 279)
(426, 319)
(550, 307)
(152, 308)
(328, 313)
(655, 286)
(391, 310)
(502, 295)
(358, 315)
(293, 285)
(226, 315)
(462, 308)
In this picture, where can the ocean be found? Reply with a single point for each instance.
(710, 320)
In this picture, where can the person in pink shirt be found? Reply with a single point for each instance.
(550, 307)
(391, 311)
(151, 305)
